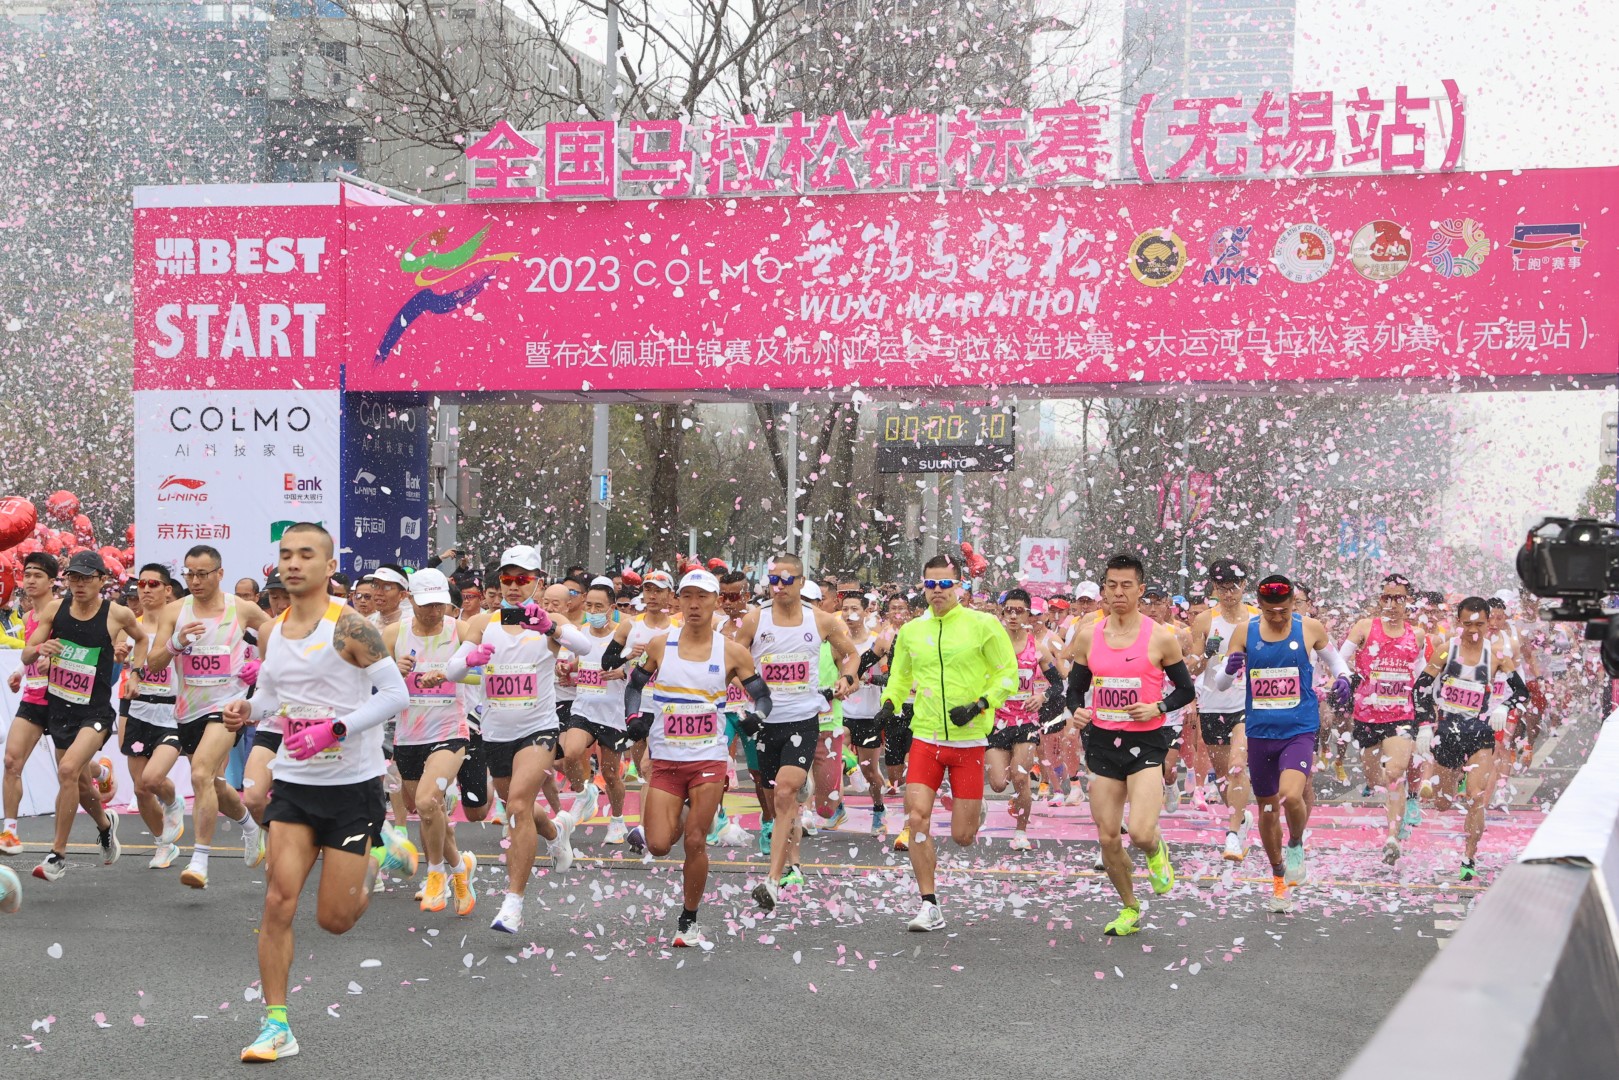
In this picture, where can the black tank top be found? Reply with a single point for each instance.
(81, 677)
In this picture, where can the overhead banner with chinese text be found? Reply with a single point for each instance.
(1457, 275)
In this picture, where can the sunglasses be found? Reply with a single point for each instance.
(144, 583)
(517, 579)
(731, 595)
(939, 583)
(782, 579)
(1393, 596)
(1276, 590)
(1010, 610)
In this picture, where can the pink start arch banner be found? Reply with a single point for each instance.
(1470, 276)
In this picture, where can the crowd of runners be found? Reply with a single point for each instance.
(320, 718)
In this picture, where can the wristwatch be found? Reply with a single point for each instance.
(1161, 709)
(339, 729)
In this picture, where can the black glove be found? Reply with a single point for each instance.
(962, 715)
(752, 726)
(885, 715)
(1212, 644)
(638, 727)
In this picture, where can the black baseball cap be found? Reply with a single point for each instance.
(273, 581)
(87, 563)
(1155, 591)
(1228, 572)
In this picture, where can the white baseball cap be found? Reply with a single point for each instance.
(699, 579)
(810, 591)
(522, 556)
(429, 587)
(600, 581)
(658, 579)
(391, 576)
(1088, 590)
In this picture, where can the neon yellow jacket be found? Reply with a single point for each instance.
(953, 660)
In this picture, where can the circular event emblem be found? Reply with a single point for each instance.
(1458, 248)
(1304, 253)
(1381, 250)
(1157, 257)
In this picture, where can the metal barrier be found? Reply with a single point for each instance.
(1528, 989)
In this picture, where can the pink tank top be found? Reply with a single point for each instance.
(33, 675)
(1124, 677)
(1386, 668)
(1022, 707)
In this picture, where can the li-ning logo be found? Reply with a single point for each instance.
(190, 490)
(434, 267)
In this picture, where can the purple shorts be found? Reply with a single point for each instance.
(1268, 758)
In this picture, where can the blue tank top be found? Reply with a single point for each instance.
(1281, 685)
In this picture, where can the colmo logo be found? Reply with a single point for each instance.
(436, 264)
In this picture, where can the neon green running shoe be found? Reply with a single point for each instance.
(1125, 924)
(793, 876)
(1469, 872)
(1159, 871)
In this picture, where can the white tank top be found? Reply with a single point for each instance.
(314, 682)
(567, 688)
(153, 683)
(789, 661)
(206, 675)
(435, 714)
(519, 684)
(601, 701)
(687, 697)
(864, 702)
(1235, 697)
(641, 634)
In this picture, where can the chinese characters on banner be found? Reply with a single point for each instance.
(1043, 564)
(1183, 501)
(1296, 134)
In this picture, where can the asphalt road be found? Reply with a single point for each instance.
(122, 972)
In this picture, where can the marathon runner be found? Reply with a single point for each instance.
(688, 670)
(962, 664)
(1116, 689)
(148, 722)
(39, 572)
(861, 708)
(896, 734)
(1016, 732)
(597, 720)
(1219, 713)
(83, 636)
(1156, 606)
(735, 603)
(329, 676)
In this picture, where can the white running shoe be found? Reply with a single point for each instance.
(510, 919)
(51, 868)
(617, 832)
(562, 846)
(163, 857)
(1172, 798)
(1076, 796)
(806, 820)
(252, 842)
(765, 895)
(1235, 849)
(734, 835)
(689, 938)
(584, 805)
(928, 918)
(110, 847)
(174, 821)
(1021, 841)
(1391, 851)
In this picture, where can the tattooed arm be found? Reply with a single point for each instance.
(358, 641)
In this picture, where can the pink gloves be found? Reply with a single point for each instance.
(310, 741)
(480, 655)
(249, 672)
(538, 619)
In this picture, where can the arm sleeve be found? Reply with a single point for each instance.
(1520, 691)
(632, 693)
(574, 639)
(456, 670)
(1001, 680)
(389, 699)
(1423, 696)
(868, 660)
(899, 671)
(1346, 653)
(1336, 663)
(1184, 693)
(265, 701)
(613, 656)
(1079, 684)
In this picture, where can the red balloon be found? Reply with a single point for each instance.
(128, 556)
(62, 505)
(17, 520)
(115, 567)
(129, 536)
(54, 543)
(83, 529)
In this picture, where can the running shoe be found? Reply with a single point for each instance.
(1076, 796)
(1425, 789)
(1055, 799)
(1339, 773)
(163, 856)
(435, 894)
(793, 876)
(1412, 818)
(1021, 841)
(1127, 923)
(902, 842)
(1469, 872)
(585, 803)
(1172, 798)
(562, 846)
(765, 895)
(252, 842)
(497, 813)
(108, 838)
(510, 919)
(689, 938)
(714, 829)
(766, 831)
(1235, 849)
(275, 1042)
(1159, 870)
(51, 868)
(879, 822)
(734, 835)
(9, 843)
(807, 822)
(636, 840)
(194, 877)
(1278, 902)
(174, 821)
(839, 816)
(1391, 851)
(1293, 859)
(1366, 791)
(399, 856)
(617, 832)
(10, 890)
(928, 918)
(461, 884)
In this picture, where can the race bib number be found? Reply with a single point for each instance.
(429, 696)
(1274, 687)
(785, 672)
(735, 698)
(512, 686)
(73, 673)
(206, 665)
(1389, 687)
(1025, 688)
(296, 718)
(154, 683)
(690, 722)
(589, 679)
(1462, 695)
(34, 677)
(1112, 696)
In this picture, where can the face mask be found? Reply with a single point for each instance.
(595, 620)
